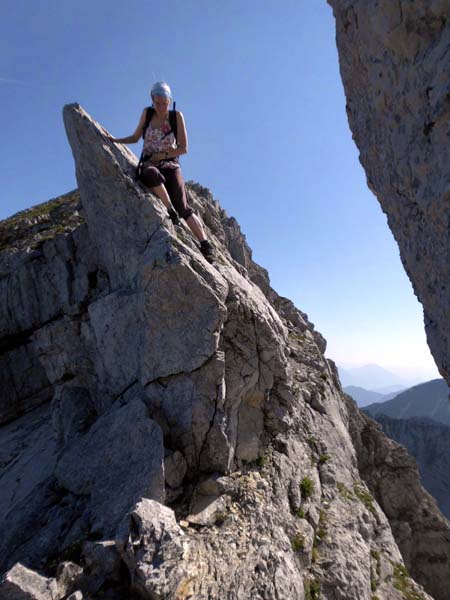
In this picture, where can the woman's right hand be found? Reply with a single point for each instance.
(107, 135)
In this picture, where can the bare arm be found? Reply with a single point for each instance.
(134, 137)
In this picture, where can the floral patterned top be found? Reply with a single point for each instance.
(159, 139)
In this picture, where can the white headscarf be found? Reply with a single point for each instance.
(161, 88)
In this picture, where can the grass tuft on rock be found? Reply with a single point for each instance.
(323, 458)
(312, 590)
(306, 487)
(298, 543)
(402, 582)
(365, 497)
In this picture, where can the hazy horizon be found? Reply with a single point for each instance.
(406, 375)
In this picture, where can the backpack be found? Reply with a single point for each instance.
(148, 118)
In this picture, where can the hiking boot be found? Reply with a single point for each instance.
(207, 250)
(174, 217)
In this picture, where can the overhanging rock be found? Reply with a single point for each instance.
(394, 60)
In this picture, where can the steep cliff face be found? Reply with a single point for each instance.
(429, 443)
(197, 443)
(394, 60)
(392, 476)
(38, 286)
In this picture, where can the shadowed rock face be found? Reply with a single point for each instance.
(392, 476)
(429, 443)
(394, 59)
(197, 443)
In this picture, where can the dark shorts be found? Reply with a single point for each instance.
(170, 175)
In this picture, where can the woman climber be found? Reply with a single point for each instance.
(165, 139)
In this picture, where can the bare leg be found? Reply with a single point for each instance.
(195, 225)
(162, 194)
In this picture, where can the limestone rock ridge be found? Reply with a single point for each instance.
(172, 429)
(394, 59)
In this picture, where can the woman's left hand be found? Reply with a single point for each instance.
(157, 156)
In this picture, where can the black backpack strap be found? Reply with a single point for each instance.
(173, 122)
(148, 118)
(139, 165)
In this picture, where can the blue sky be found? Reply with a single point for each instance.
(258, 83)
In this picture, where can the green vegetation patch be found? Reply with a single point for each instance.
(298, 543)
(321, 534)
(402, 582)
(306, 487)
(321, 531)
(344, 491)
(34, 225)
(312, 442)
(299, 337)
(312, 589)
(365, 497)
(375, 570)
(323, 458)
(376, 557)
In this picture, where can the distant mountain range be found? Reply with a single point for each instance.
(372, 377)
(429, 399)
(365, 397)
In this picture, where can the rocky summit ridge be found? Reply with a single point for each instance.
(172, 429)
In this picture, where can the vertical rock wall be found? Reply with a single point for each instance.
(394, 58)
